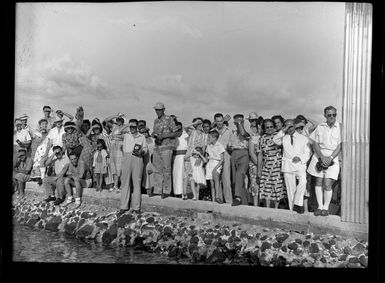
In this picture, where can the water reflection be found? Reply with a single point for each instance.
(30, 244)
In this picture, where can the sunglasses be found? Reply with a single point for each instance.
(253, 120)
(57, 153)
(331, 115)
(133, 127)
(299, 128)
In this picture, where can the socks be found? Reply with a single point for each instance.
(319, 196)
(327, 197)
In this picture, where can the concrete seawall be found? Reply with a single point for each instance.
(198, 231)
(214, 212)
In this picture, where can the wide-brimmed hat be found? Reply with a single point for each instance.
(69, 125)
(253, 116)
(159, 106)
(24, 117)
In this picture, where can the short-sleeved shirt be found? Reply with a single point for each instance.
(224, 135)
(60, 163)
(327, 137)
(56, 136)
(165, 125)
(215, 150)
(238, 141)
(22, 135)
(129, 141)
(51, 121)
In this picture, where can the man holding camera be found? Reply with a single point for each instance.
(134, 148)
(324, 165)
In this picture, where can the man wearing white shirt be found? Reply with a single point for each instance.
(134, 147)
(55, 135)
(296, 153)
(327, 146)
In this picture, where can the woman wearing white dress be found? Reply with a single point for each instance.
(178, 167)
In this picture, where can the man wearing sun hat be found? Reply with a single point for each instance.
(55, 135)
(21, 137)
(165, 133)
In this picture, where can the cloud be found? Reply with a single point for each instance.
(62, 78)
(163, 24)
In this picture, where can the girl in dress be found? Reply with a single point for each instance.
(198, 174)
(100, 163)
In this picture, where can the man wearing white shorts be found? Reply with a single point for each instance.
(326, 145)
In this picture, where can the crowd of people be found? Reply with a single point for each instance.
(274, 162)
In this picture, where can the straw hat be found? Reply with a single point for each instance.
(58, 119)
(24, 117)
(253, 116)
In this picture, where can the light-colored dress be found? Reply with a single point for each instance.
(178, 168)
(253, 187)
(116, 153)
(100, 162)
(196, 139)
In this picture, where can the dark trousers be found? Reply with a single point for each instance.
(239, 166)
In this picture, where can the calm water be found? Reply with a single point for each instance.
(31, 244)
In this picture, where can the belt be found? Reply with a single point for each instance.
(180, 152)
(234, 149)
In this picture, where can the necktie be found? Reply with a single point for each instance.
(291, 139)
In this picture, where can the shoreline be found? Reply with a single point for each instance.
(203, 238)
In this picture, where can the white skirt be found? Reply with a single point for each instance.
(177, 174)
(198, 173)
(331, 173)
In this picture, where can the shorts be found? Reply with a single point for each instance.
(332, 172)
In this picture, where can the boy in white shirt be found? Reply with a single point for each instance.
(215, 153)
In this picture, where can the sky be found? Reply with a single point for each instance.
(198, 58)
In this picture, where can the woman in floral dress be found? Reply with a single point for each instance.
(271, 185)
(253, 163)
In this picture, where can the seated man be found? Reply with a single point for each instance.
(22, 166)
(58, 161)
(75, 174)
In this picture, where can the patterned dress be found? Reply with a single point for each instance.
(253, 168)
(116, 153)
(87, 154)
(271, 185)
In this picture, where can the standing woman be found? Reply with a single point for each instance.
(87, 153)
(106, 136)
(253, 163)
(178, 166)
(269, 164)
(116, 153)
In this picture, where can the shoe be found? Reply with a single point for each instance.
(58, 201)
(121, 211)
(39, 181)
(194, 198)
(324, 212)
(50, 198)
(298, 209)
(184, 197)
(236, 202)
(67, 202)
(218, 200)
(78, 203)
(317, 212)
(150, 193)
(165, 196)
(136, 211)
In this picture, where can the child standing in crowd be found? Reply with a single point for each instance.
(198, 174)
(215, 152)
(100, 163)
